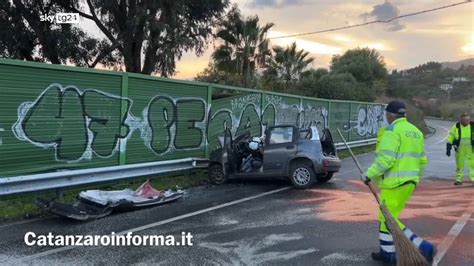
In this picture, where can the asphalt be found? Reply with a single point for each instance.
(330, 224)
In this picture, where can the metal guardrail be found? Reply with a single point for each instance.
(354, 144)
(59, 180)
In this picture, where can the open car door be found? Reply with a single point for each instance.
(327, 142)
(227, 152)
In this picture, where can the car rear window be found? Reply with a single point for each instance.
(310, 133)
(305, 134)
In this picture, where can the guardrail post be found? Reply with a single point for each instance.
(60, 195)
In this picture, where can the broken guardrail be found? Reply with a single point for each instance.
(65, 179)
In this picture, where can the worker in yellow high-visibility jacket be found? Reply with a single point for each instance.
(398, 166)
(461, 137)
(379, 138)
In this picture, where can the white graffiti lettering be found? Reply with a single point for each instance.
(243, 101)
(369, 120)
(61, 116)
(273, 99)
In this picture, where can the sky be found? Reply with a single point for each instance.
(444, 35)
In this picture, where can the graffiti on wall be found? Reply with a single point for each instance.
(75, 123)
(79, 124)
(171, 124)
(314, 116)
(369, 120)
(243, 101)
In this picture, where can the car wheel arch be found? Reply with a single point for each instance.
(296, 160)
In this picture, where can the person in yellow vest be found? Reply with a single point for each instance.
(461, 137)
(379, 138)
(398, 166)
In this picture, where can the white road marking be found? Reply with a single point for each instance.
(22, 222)
(449, 239)
(152, 225)
(445, 138)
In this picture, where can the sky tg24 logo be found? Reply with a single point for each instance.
(61, 18)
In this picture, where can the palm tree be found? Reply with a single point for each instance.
(244, 47)
(289, 64)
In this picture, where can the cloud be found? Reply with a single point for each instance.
(313, 47)
(274, 3)
(385, 11)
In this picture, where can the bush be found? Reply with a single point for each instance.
(343, 87)
(454, 110)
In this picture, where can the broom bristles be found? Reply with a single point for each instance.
(407, 253)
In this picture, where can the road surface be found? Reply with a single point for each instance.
(268, 222)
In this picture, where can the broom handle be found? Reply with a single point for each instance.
(371, 187)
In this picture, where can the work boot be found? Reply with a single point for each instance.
(433, 254)
(428, 250)
(378, 256)
(457, 183)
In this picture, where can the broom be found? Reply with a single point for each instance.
(407, 253)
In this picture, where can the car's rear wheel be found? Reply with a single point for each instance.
(324, 177)
(216, 174)
(302, 175)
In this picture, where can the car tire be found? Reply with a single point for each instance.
(324, 177)
(216, 174)
(302, 175)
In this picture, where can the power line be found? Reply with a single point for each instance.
(372, 22)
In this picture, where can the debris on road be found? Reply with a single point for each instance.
(95, 204)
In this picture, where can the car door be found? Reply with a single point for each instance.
(279, 149)
(227, 153)
(327, 143)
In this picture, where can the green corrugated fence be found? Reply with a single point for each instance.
(58, 117)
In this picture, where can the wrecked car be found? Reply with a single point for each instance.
(300, 155)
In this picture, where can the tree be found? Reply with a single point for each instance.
(366, 65)
(20, 45)
(213, 75)
(25, 36)
(315, 74)
(151, 35)
(244, 46)
(289, 64)
(343, 86)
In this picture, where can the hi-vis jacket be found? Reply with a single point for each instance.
(379, 138)
(460, 135)
(400, 155)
